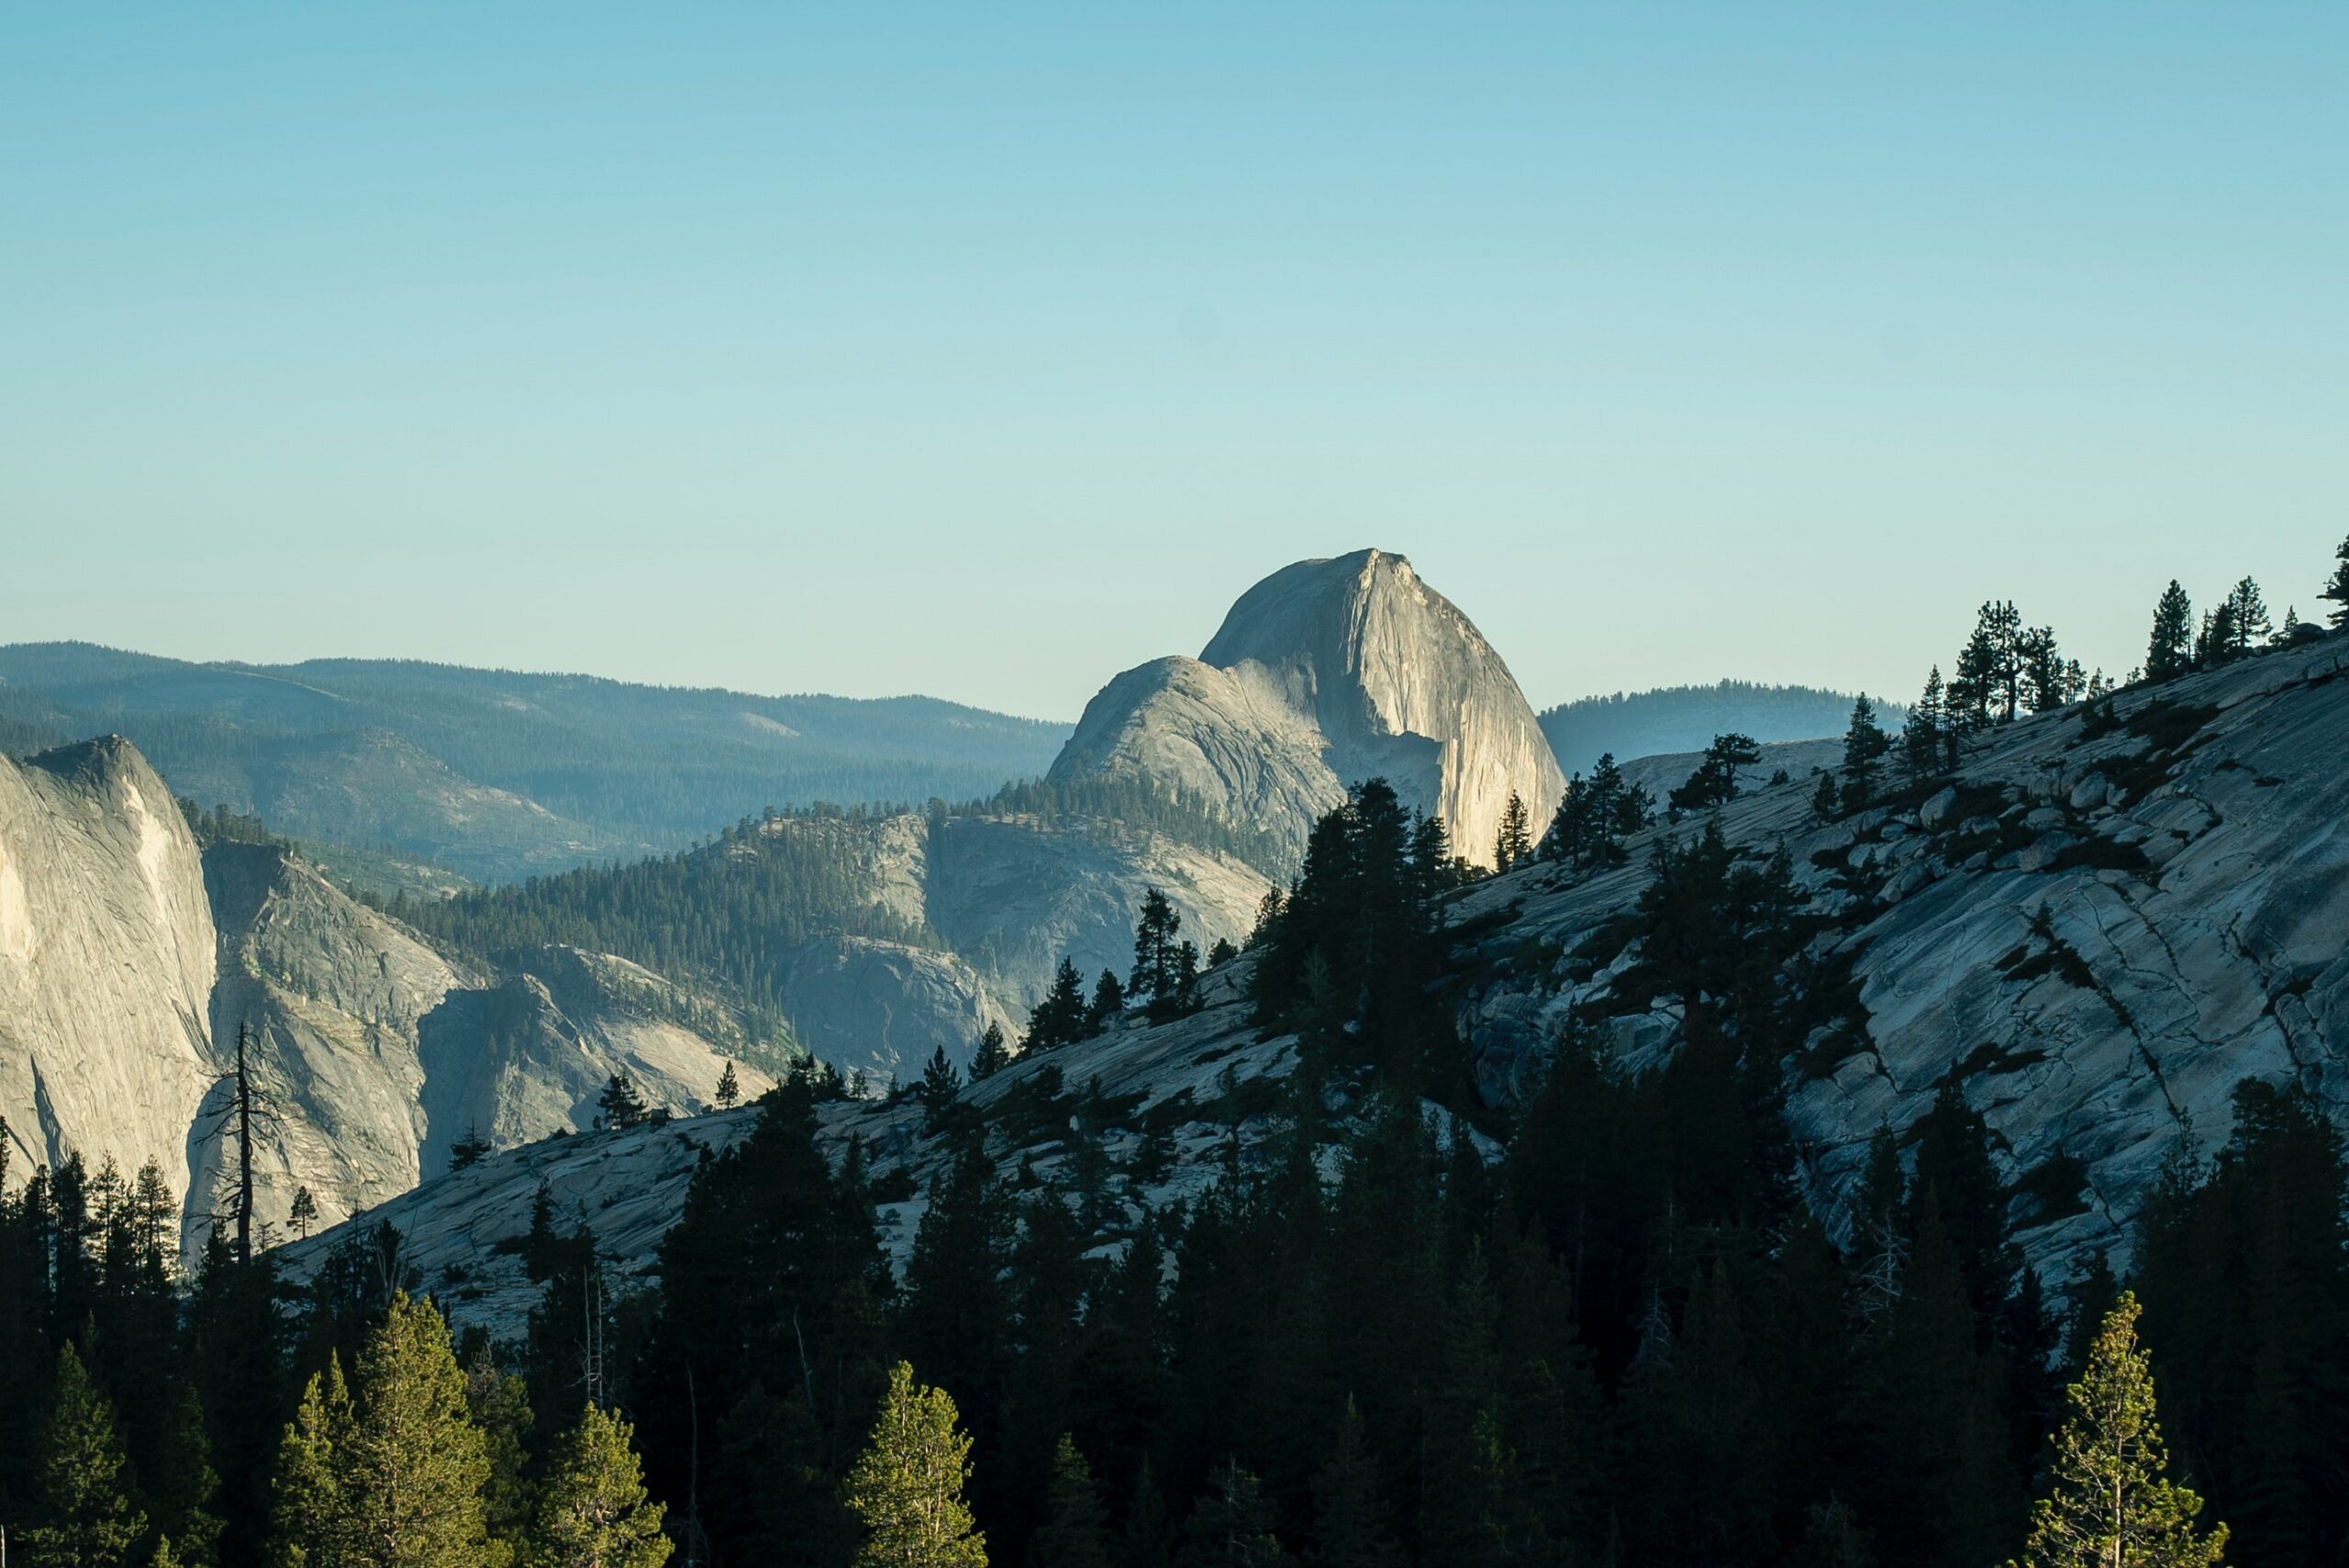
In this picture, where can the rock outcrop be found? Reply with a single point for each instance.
(2100, 929)
(329, 993)
(880, 1007)
(1014, 896)
(1325, 673)
(107, 964)
(527, 1057)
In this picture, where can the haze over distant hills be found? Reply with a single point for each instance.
(498, 773)
(1686, 718)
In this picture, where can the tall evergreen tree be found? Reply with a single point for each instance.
(592, 1512)
(907, 1487)
(1232, 1524)
(2247, 622)
(313, 1518)
(1864, 744)
(621, 1105)
(2050, 681)
(2170, 651)
(1109, 1002)
(1076, 1531)
(1920, 734)
(397, 1477)
(1348, 1531)
(1059, 1019)
(81, 1481)
(2244, 1270)
(993, 1056)
(1158, 929)
(1513, 844)
(2111, 1505)
(939, 1081)
(2336, 587)
(729, 1089)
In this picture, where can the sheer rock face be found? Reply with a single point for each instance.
(130, 959)
(107, 964)
(1325, 673)
(1014, 897)
(528, 1056)
(331, 993)
(863, 1004)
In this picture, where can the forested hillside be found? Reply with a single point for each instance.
(731, 913)
(1684, 718)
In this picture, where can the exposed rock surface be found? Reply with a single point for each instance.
(106, 963)
(527, 1057)
(883, 1008)
(1014, 896)
(129, 961)
(627, 1186)
(2193, 864)
(2196, 933)
(1324, 673)
(331, 993)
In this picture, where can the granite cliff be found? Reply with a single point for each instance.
(1325, 673)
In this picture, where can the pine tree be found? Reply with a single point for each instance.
(304, 1213)
(1076, 1532)
(499, 1403)
(2111, 1506)
(907, 1487)
(1232, 1524)
(940, 1081)
(1346, 1529)
(729, 1089)
(88, 1516)
(1513, 845)
(1715, 782)
(2247, 621)
(1109, 1002)
(1824, 801)
(1059, 1019)
(1864, 744)
(311, 1517)
(993, 1056)
(394, 1478)
(592, 1512)
(2337, 589)
(2049, 680)
(621, 1107)
(468, 1149)
(1921, 736)
(2170, 651)
(1157, 930)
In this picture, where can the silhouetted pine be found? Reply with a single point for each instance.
(2170, 650)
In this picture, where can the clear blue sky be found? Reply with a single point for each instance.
(984, 350)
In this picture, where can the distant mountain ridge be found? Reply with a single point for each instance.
(501, 773)
(1686, 718)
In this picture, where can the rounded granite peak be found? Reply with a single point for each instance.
(1349, 667)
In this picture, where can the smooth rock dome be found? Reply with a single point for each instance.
(1325, 673)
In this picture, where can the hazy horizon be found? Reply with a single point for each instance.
(985, 355)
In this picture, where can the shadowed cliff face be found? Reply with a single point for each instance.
(1325, 673)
